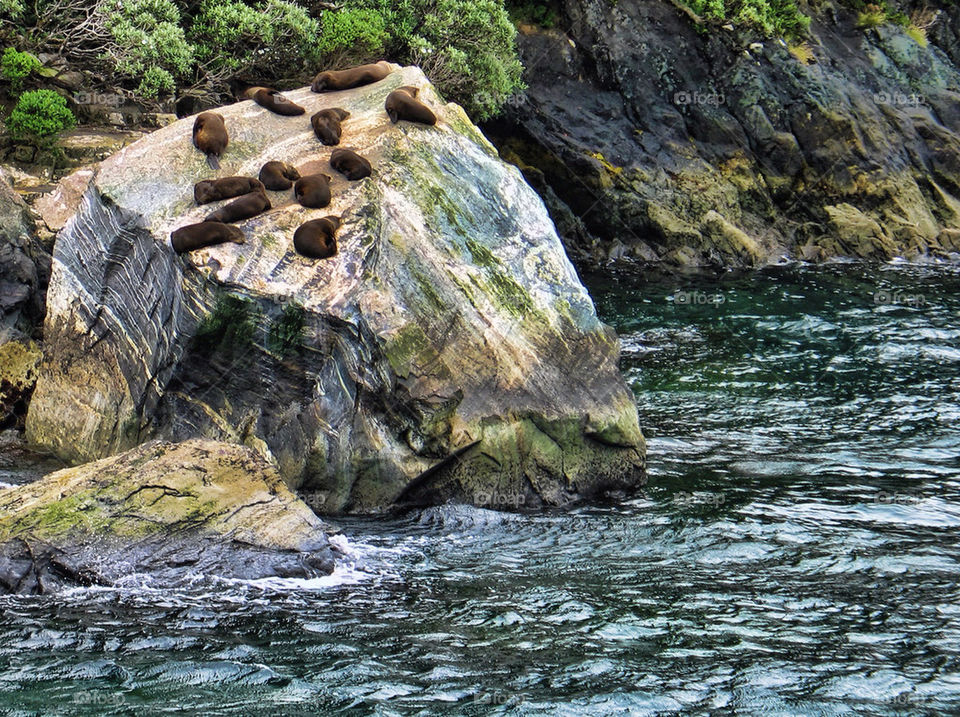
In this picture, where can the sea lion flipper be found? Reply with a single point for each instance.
(213, 160)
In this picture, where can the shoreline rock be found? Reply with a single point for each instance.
(166, 510)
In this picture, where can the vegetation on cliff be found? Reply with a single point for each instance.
(152, 49)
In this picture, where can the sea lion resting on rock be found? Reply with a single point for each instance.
(270, 99)
(350, 164)
(313, 190)
(351, 77)
(197, 236)
(249, 205)
(326, 124)
(278, 175)
(212, 190)
(210, 136)
(402, 104)
(316, 239)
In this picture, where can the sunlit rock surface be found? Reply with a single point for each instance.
(448, 351)
(168, 511)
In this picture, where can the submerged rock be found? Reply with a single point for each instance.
(448, 350)
(166, 510)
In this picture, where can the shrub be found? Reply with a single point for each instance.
(16, 66)
(11, 8)
(359, 32)
(537, 13)
(40, 115)
(774, 18)
(156, 81)
(228, 329)
(270, 39)
(286, 331)
(871, 18)
(466, 47)
(150, 43)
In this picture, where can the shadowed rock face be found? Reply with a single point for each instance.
(24, 268)
(167, 510)
(653, 141)
(448, 350)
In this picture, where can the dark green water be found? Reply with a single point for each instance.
(796, 551)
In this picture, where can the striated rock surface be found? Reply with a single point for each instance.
(653, 139)
(167, 510)
(448, 351)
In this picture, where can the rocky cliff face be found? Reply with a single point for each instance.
(24, 268)
(651, 140)
(448, 351)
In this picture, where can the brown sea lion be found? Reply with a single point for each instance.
(326, 124)
(210, 136)
(350, 164)
(278, 175)
(272, 100)
(249, 205)
(402, 104)
(352, 77)
(313, 190)
(212, 190)
(316, 238)
(197, 236)
(266, 97)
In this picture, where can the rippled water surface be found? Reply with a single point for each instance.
(796, 551)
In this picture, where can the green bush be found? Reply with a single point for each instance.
(151, 44)
(270, 39)
(11, 8)
(466, 48)
(228, 329)
(155, 82)
(774, 18)
(286, 331)
(355, 31)
(16, 66)
(40, 115)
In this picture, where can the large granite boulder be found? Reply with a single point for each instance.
(448, 351)
(169, 511)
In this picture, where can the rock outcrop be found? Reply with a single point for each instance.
(654, 139)
(165, 510)
(24, 268)
(448, 351)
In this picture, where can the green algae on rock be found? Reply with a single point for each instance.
(448, 348)
(162, 509)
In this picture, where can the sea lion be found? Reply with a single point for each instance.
(316, 238)
(351, 77)
(278, 175)
(350, 164)
(249, 205)
(313, 190)
(326, 124)
(210, 136)
(212, 190)
(197, 236)
(402, 104)
(266, 97)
